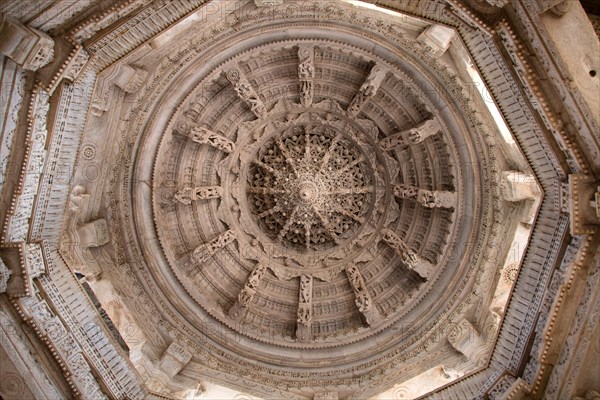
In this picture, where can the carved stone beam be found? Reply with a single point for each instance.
(363, 300)
(413, 135)
(187, 195)
(207, 250)
(408, 256)
(240, 307)
(368, 89)
(518, 186)
(306, 73)
(28, 47)
(465, 338)
(205, 136)
(305, 313)
(246, 92)
(427, 198)
(174, 359)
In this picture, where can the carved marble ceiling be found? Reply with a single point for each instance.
(306, 185)
(300, 199)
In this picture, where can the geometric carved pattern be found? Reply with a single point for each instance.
(309, 187)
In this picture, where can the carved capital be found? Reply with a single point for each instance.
(28, 47)
(122, 76)
(174, 359)
(518, 186)
(465, 338)
(438, 38)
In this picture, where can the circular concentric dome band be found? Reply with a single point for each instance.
(400, 215)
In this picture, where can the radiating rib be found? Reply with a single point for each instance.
(307, 234)
(350, 165)
(327, 226)
(265, 167)
(288, 158)
(266, 190)
(349, 214)
(329, 152)
(269, 212)
(355, 190)
(288, 223)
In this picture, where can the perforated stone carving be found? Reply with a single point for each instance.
(310, 187)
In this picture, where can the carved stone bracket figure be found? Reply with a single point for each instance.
(465, 338)
(28, 47)
(368, 89)
(363, 300)
(306, 73)
(246, 92)
(187, 195)
(207, 250)
(205, 136)
(303, 329)
(406, 192)
(408, 256)
(413, 135)
(427, 198)
(123, 76)
(239, 308)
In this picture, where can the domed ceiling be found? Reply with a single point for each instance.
(304, 198)
(323, 212)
